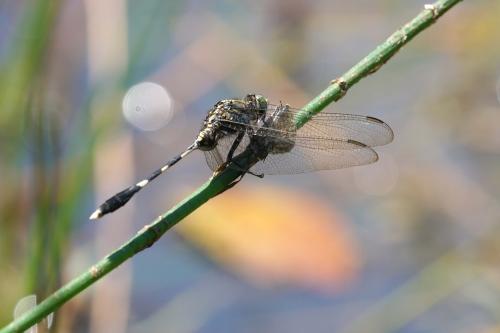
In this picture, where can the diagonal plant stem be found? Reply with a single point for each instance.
(152, 232)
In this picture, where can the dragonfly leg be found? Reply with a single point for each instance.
(238, 167)
(235, 145)
(237, 180)
(230, 155)
(247, 170)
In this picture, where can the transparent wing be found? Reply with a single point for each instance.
(213, 158)
(309, 155)
(305, 159)
(329, 126)
(368, 130)
(218, 155)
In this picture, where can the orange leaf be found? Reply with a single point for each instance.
(275, 236)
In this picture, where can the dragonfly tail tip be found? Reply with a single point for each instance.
(95, 215)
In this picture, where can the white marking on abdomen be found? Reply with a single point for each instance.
(142, 183)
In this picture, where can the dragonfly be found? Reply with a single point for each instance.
(267, 133)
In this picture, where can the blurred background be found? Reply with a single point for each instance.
(94, 95)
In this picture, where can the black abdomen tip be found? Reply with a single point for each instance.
(115, 202)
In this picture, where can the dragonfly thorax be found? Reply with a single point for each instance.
(276, 133)
(228, 117)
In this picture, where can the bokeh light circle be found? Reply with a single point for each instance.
(147, 106)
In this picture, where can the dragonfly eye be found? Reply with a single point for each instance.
(257, 102)
(261, 102)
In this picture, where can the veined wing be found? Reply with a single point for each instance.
(368, 130)
(309, 156)
(328, 126)
(329, 117)
(294, 111)
(303, 159)
(217, 156)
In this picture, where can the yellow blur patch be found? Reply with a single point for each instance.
(273, 236)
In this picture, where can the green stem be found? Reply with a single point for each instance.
(376, 59)
(151, 233)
